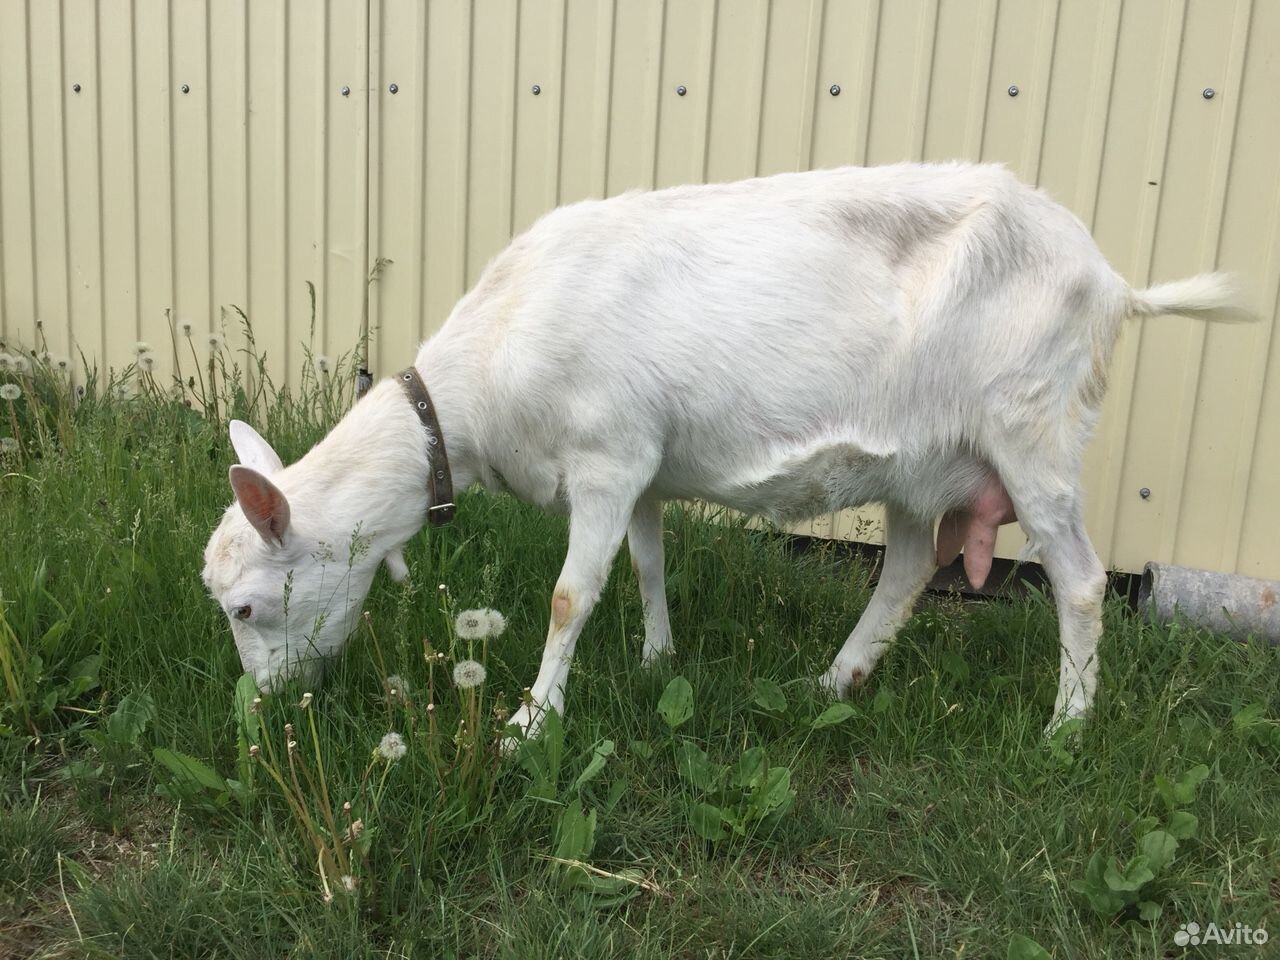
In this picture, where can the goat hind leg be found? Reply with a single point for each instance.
(644, 540)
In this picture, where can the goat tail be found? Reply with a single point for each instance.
(1208, 296)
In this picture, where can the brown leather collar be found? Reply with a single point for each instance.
(439, 480)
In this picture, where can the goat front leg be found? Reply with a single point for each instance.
(597, 523)
(909, 562)
(644, 539)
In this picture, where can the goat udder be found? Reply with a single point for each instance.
(973, 528)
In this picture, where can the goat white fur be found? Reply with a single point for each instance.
(785, 346)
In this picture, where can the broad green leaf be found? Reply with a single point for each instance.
(751, 768)
(1149, 911)
(642, 749)
(248, 721)
(577, 832)
(1247, 716)
(774, 796)
(692, 765)
(769, 695)
(601, 753)
(1182, 791)
(49, 642)
(882, 701)
(707, 821)
(1024, 948)
(1158, 847)
(838, 713)
(1094, 888)
(131, 718)
(83, 676)
(1130, 879)
(1182, 825)
(190, 769)
(1143, 825)
(676, 705)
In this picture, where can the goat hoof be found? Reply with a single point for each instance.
(651, 656)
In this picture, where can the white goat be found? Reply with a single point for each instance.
(926, 336)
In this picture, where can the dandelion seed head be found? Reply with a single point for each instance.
(497, 622)
(443, 588)
(254, 750)
(186, 328)
(146, 361)
(392, 747)
(141, 347)
(322, 363)
(346, 806)
(468, 674)
(62, 363)
(216, 342)
(6, 362)
(357, 828)
(306, 701)
(471, 625)
(397, 688)
(10, 392)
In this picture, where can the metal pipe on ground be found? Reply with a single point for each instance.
(1237, 606)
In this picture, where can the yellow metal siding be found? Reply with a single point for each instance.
(131, 204)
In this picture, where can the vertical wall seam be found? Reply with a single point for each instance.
(468, 127)
(711, 82)
(171, 171)
(66, 180)
(764, 78)
(207, 93)
(658, 94)
(325, 118)
(564, 42)
(1047, 83)
(420, 240)
(1105, 120)
(101, 238)
(512, 154)
(607, 111)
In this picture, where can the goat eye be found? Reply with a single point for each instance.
(244, 613)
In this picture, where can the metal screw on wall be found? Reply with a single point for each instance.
(1208, 93)
(536, 89)
(681, 91)
(394, 88)
(1145, 493)
(835, 90)
(1014, 91)
(75, 87)
(186, 88)
(345, 91)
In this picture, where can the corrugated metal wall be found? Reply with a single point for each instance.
(210, 156)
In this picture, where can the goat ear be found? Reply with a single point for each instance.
(263, 504)
(253, 451)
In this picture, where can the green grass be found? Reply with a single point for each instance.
(934, 822)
